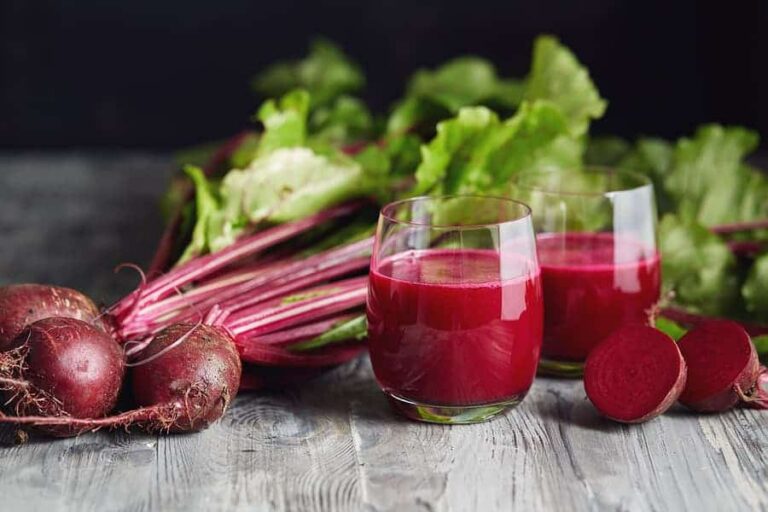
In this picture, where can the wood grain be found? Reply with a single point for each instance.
(332, 445)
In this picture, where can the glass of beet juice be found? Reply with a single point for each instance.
(455, 306)
(600, 268)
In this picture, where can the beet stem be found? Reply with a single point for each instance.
(288, 336)
(203, 266)
(737, 227)
(163, 251)
(170, 347)
(344, 295)
(343, 259)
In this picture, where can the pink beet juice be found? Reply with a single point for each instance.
(445, 330)
(591, 289)
(455, 307)
(600, 269)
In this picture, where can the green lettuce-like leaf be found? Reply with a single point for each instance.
(446, 160)
(436, 94)
(475, 152)
(246, 151)
(288, 184)
(355, 329)
(326, 73)
(761, 346)
(708, 180)
(345, 120)
(404, 152)
(606, 150)
(654, 158)
(698, 266)
(670, 328)
(290, 177)
(755, 289)
(206, 207)
(536, 138)
(285, 122)
(557, 76)
(465, 81)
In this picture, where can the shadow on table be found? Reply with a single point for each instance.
(566, 403)
(349, 390)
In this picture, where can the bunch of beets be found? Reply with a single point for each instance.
(180, 346)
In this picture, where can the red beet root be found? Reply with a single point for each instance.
(194, 381)
(62, 367)
(635, 374)
(22, 304)
(187, 378)
(722, 366)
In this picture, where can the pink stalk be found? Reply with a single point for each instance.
(314, 269)
(277, 288)
(203, 266)
(737, 227)
(233, 293)
(320, 302)
(295, 283)
(162, 256)
(278, 356)
(746, 248)
(212, 288)
(303, 332)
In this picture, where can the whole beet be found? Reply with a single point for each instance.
(195, 380)
(23, 304)
(185, 379)
(62, 367)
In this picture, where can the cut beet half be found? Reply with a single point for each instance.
(635, 374)
(722, 366)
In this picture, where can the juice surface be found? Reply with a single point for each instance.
(445, 329)
(593, 283)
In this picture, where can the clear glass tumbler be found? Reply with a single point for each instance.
(455, 306)
(600, 267)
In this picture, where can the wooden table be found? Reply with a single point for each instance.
(69, 218)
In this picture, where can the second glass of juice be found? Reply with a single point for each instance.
(596, 237)
(455, 307)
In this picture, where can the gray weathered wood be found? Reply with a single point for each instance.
(333, 444)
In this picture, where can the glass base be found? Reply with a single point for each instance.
(451, 415)
(552, 368)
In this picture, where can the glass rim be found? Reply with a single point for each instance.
(386, 211)
(642, 181)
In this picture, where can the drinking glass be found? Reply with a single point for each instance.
(600, 268)
(454, 306)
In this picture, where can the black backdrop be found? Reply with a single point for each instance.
(163, 73)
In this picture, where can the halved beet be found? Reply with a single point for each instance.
(722, 366)
(635, 374)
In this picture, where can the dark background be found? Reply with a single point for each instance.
(165, 73)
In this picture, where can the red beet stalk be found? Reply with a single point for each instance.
(738, 227)
(321, 301)
(279, 356)
(290, 336)
(236, 294)
(204, 266)
(162, 256)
